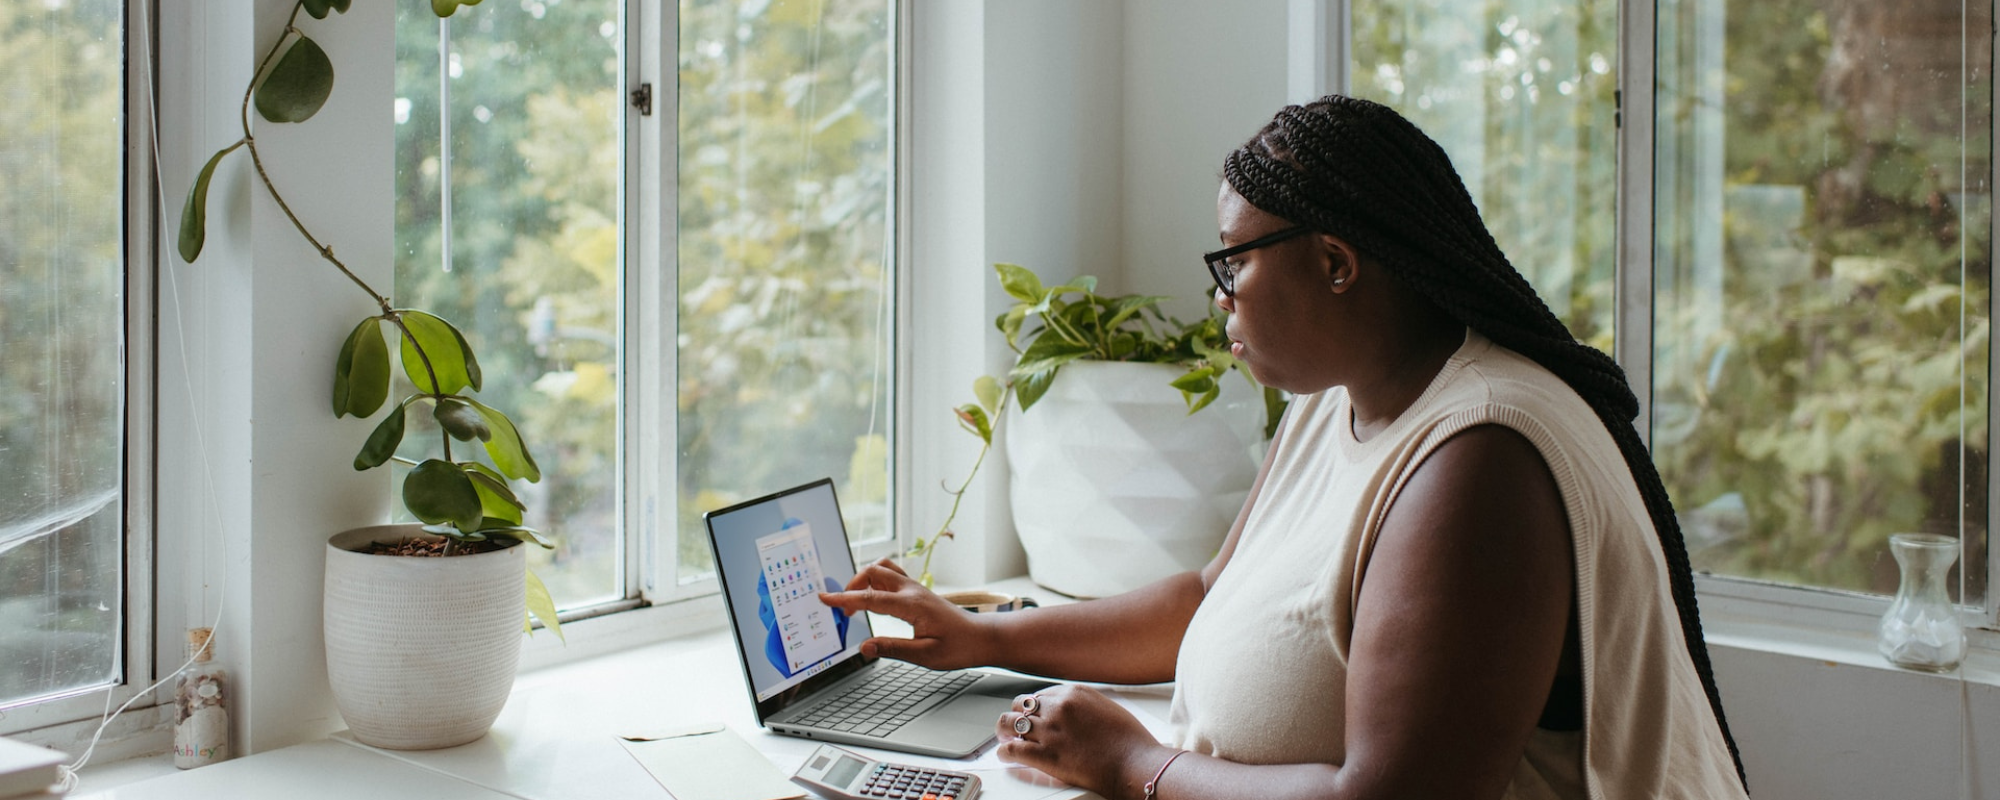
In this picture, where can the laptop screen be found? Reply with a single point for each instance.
(774, 555)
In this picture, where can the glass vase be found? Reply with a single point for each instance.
(1921, 629)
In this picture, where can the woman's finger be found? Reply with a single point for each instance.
(896, 604)
(882, 574)
(891, 565)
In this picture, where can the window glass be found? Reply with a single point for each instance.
(62, 332)
(525, 196)
(785, 354)
(1520, 94)
(1822, 254)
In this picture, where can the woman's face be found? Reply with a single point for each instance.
(1280, 319)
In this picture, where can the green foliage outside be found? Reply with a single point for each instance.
(1520, 94)
(535, 180)
(786, 279)
(61, 338)
(783, 274)
(1822, 246)
(1822, 388)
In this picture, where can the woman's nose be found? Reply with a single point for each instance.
(1224, 301)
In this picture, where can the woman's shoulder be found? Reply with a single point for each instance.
(1494, 376)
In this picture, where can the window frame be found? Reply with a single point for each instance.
(71, 715)
(651, 313)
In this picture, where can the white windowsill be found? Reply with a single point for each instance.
(632, 672)
(620, 672)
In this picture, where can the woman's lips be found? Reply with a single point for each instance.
(1235, 349)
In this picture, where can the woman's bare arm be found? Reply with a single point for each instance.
(1134, 637)
(1459, 628)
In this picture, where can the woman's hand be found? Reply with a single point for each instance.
(1082, 738)
(943, 636)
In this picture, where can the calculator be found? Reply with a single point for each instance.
(842, 775)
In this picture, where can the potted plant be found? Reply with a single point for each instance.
(1116, 482)
(423, 621)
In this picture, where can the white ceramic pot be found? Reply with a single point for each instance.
(421, 651)
(1115, 485)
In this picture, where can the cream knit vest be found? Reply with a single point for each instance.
(1262, 672)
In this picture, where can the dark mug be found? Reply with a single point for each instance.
(980, 602)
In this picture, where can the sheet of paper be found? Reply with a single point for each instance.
(712, 765)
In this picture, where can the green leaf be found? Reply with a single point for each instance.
(439, 493)
(1022, 284)
(1083, 283)
(361, 375)
(461, 420)
(1049, 351)
(448, 355)
(1010, 325)
(319, 8)
(1205, 398)
(540, 605)
(987, 389)
(298, 85)
(194, 214)
(496, 499)
(1031, 387)
(445, 8)
(1196, 380)
(974, 419)
(509, 453)
(381, 444)
(529, 535)
(1122, 308)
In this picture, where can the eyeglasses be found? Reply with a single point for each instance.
(1224, 272)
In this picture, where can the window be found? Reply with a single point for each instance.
(516, 182)
(62, 340)
(1520, 94)
(1823, 223)
(786, 265)
(1819, 202)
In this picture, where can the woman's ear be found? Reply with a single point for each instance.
(1343, 263)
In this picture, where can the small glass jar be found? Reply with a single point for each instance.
(201, 706)
(1921, 629)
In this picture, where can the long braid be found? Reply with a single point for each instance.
(1359, 170)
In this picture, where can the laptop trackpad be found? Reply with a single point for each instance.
(963, 723)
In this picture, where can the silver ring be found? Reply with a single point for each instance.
(1022, 725)
(1030, 705)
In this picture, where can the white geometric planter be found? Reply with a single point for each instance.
(421, 651)
(1114, 485)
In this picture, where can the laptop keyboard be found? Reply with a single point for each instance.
(895, 694)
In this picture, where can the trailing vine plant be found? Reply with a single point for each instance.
(461, 499)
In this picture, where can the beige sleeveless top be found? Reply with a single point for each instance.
(1261, 676)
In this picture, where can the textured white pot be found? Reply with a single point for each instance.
(421, 651)
(1115, 485)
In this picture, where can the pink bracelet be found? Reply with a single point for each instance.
(1153, 786)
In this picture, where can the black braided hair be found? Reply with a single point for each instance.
(1360, 171)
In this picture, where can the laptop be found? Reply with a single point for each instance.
(802, 659)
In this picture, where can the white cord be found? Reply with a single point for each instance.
(70, 777)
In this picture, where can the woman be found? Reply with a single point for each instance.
(1457, 574)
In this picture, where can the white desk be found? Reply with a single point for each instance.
(556, 740)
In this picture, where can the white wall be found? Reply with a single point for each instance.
(253, 475)
(1841, 724)
(1200, 79)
